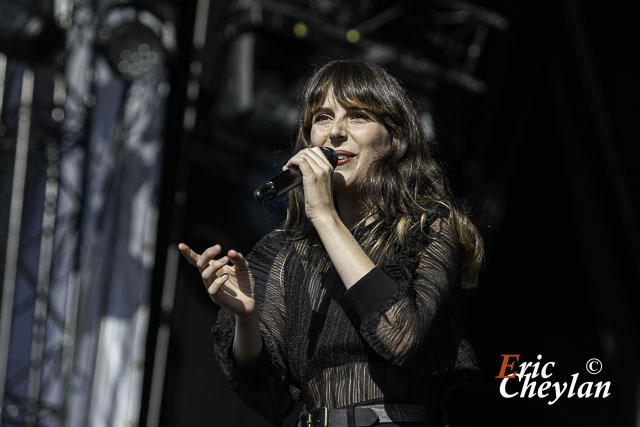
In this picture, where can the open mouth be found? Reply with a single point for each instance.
(344, 157)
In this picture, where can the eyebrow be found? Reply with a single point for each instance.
(326, 110)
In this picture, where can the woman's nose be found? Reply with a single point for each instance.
(338, 130)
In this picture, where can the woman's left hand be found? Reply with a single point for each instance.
(317, 182)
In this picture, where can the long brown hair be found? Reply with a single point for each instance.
(403, 181)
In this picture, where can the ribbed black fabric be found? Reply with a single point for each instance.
(396, 335)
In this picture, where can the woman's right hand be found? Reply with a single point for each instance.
(230, 286)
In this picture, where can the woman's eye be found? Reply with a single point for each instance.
(360, 116)
(321, 118)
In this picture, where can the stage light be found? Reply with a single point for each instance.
(300, 30)
(353, 35)
(135, 41)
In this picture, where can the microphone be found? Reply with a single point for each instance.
(288, 180)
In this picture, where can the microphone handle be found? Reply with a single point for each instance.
(288, 179)
(278, 185)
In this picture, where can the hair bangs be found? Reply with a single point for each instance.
(352, 87)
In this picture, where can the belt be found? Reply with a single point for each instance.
(368, 415)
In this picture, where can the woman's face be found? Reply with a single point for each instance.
(357, 136)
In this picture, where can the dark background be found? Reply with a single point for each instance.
(545, 160)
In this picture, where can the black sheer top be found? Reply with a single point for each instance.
(394, 336)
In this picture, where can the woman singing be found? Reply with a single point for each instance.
(352, 306)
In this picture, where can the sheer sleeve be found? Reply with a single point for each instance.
(265, 386)
(409, 305)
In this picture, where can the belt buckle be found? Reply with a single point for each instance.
(322, 412)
